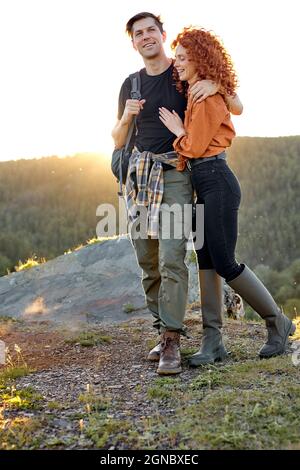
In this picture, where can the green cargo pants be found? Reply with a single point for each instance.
(165, 275)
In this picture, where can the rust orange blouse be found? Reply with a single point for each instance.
(209, 130)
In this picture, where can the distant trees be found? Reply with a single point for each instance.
(49, 205)
(269, 217)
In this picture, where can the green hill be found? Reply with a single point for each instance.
(48, 206)
(268, 170)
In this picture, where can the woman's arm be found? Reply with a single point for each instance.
(172, 121)
(193, 140)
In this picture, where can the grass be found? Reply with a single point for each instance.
(30, 263)
(102, 430)
(164, 388)
(89, 339)
(186, 352)
(128, 308)
(241, 419)
(94, 240)
(54, 405)
(243, 403)
(20, 433)
(7, 319)
(93, 402)
(91, 241)
(250, 404)
(12, 373)
(24, 399)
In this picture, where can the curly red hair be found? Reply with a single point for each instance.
(210, 57)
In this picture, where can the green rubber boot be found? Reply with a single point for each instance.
(212, 349)
(279, 327)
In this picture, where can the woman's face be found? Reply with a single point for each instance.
(186, 69)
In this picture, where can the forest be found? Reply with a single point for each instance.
(48, 206)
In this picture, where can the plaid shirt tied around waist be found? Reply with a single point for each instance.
(149, 188)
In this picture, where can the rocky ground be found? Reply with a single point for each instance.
(94, 388)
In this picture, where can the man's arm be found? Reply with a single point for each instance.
(204, 88)
(234, 104)
(120, 131)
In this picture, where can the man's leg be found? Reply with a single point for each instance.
(147, 257)
(174, 273)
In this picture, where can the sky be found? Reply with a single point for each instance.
(63, 62)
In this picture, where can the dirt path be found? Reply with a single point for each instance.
(96, 389)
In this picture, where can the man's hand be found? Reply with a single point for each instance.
(132, 108)
(201, 90)
(172, 121)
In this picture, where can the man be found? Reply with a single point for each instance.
(165, 275)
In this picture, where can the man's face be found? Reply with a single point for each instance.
(147, 38)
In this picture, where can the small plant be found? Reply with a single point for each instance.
(128, 308)
(164, 388)
(94, 240)
(15, 366)
(21, 399)
(209, 379)
(54, 405)
(7, 319)
(186, 352)
(92, 401)
(20, 433)
(30, 263)
(89, 339)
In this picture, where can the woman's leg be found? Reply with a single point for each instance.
(259, 298)
(211, 292)
(211, 295)
(221, 226)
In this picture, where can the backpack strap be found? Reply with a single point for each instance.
(128, 139)
(135, 80)
(135, 94)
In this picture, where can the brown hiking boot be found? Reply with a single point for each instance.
(154, 354)
(170, 361)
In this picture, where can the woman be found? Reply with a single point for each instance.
(201, 143)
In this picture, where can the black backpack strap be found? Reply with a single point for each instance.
(135, 80)
(129, 135)
(135, 94)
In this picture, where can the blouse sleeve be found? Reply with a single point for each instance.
(205, 121)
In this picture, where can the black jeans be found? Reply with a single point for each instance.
(218, 189)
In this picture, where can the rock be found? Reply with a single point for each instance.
(90, 285)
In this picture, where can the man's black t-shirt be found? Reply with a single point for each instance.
(158, 91)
